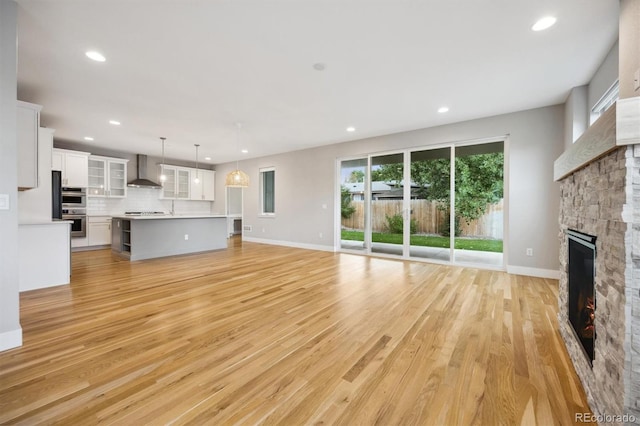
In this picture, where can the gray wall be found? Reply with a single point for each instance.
(604, 77)
(10, 332)
(306, 180)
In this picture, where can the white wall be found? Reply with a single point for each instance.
(10, 331)
(604, 77)
(305, 181)
(582, 99)
(576, 117)
(145, 199)
(234, 200)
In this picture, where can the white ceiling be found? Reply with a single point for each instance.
(189, 70)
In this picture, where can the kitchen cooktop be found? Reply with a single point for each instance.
(144, 213)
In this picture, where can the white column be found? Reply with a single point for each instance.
(10, 331)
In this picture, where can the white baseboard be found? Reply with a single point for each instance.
(288, 244)
(517, 270)
(10, 339)
(534, 272)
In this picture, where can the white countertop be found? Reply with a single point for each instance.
(53, 222)
(168, 216)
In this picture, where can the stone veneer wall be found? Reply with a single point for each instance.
(593, 201)
(631, 215)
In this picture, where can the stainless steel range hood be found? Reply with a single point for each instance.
(142, 181)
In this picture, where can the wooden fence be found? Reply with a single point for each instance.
(428, 217)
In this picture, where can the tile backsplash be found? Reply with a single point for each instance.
(144, 199)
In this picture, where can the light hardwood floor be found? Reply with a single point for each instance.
(276, 335)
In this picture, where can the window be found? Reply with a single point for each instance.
(267, 191)
(609, 98)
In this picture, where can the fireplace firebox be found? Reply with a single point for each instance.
(582, 302)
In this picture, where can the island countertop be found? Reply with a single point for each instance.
(168, 216)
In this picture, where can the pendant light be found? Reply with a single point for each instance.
(197, 179)
(237, 178)
(163, 177)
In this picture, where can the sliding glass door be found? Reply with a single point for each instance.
(400, 204)
(353, 214)
(430, 205)
(387, 204)
(478, 218)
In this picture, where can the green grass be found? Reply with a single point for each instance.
(428, 241)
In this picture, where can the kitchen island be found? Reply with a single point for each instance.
(148, 237)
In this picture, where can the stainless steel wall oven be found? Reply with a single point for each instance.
(74, 197)
(78, 218)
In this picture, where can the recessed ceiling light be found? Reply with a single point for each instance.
(443, 109)
(88, 138)
(244, 151)
(114, 122)
(544, 23)
(319, 66)
(96, 56)
(351, 129)
(207, 158)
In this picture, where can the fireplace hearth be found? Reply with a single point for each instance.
(581, 305)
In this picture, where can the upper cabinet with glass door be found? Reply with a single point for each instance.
(177, 182)
(107, 177)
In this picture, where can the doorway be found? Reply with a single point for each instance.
(234, 211)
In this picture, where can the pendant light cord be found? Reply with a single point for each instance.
(162, 175)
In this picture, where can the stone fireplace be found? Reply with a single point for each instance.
(601, 199)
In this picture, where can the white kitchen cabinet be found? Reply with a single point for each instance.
(74, 166)
(99, 230)
(205, 189)
(46, 258)
(28, 124)
(79, 242)
(177, 185)
(57, 160)
(107, 177)
(34, 205)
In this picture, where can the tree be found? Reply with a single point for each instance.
(356, 176)
(346, 209)
(391, 174)
(479, 181)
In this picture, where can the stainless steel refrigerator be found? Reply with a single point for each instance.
(56, 194)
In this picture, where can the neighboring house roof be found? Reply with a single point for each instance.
(358, 187)
(382, 190)
(378, 186)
